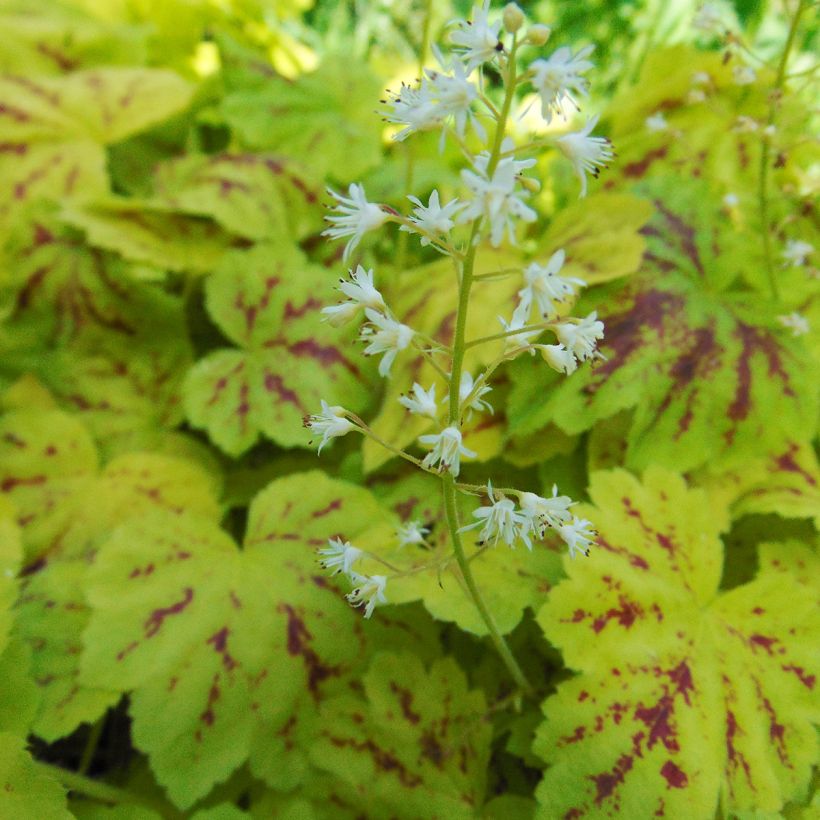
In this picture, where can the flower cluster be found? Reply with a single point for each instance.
(494, 206)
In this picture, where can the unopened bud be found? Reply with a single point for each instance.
(530, 184)
(513, 17)
(538, 35)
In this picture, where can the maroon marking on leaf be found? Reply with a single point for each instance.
(404, 509)
(432, 749)
(207, 716)
(34, 567)
(575, 737)
(607, 782)
(636, 561)
(334, 505)
(383, 760)
(573, 814)
(62, 61)
(32, 284)
(657, 718)
(292, 312)
(252, 311)
(19, 148)
(298, 637)
(16, 114)
(310, 196)
(807, 680)
(222, 383)
(219, 641)
(639, 168)
(155, 620)
(274, 383)
(405, 701)
(629, 612)
(686, 234)
(735, 759)
(766, 642)
(776, 730)
(14, 440)
(235, 602)
(787, 463)
(128, 650)
(326, 355)
(10, 483)
(138, 571)
(675, 777)
(582, 696)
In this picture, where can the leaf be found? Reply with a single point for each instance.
(711, 374)
(185, 637)
(53, 129)
(258, 196)
(325, 119)
(684, 694)
(19, 697)
(418, 745)
(149, 232)
(11, 555)
(25, 791)
(267, 301)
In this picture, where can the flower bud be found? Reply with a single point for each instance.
(530, 184)
(538, 34)
(513, 18)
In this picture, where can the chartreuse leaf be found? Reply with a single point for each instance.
(417, 744)
(11, 555)
(258, 196)
(684, 695)
(25, 791)
(178, 611)
(711, 374)
(19, 695)
(267, 301)
(55, 128)
(324, 119)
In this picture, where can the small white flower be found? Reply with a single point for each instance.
(370, 591)
(587, 154)
(558, 358)
(415, 108)
(478, 39)
(385, 335)
(422, 402)
(579, 536)
(520, 318)
(361, 293)
(432, 218)
(695, 96)
(546, 288)
(356, 216)
(497, 197)
(656, 122)
(731, 200)
(745, 125)
(340, 556)
(796, 322)
(743, 75)
(447, 450)
(500, 520)
(796, 253)
(546, 512)
(455, 94)
(580, 338)
(330, 423)
(465, 388)
(412, 532)
(558, 78)
(709, 19)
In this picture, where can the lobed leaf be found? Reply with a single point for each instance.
(25, 790)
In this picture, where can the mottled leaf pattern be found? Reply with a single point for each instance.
(685, 696)
(25, 790)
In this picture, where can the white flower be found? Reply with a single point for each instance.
(500, 520)
(731, 200)
(415, 108)
(385, 335)
(559, 78)
(796, 322)
(700, 78)
(743, 75)
(340, 556)
(546, 288)
(695, 96)
(360, 292)
(432, 218)
(745, 125)
(356, 216)
(465, 388)
(370, 591)
(796, 253)
(330, 423)
(455, 94)
(412, 532)
(496, 197)
(546, 512)
(581, 338)
(520, 318)
(578, 536)
(587, 154)
(709, 19)
(422, 402)
(447, 450)
(558, 358)
(478, 39)
(656, 122)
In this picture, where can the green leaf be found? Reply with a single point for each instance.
(417, 744)
(711, 374)
(325, 119)
(25, 791)
(11, 555)
(258, 196)
(684, 695)
(267, 301)
(185, 636)
(19, 695)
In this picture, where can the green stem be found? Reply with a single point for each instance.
(91, 745)
(507, 333)
(765, 153)
(459, 348)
